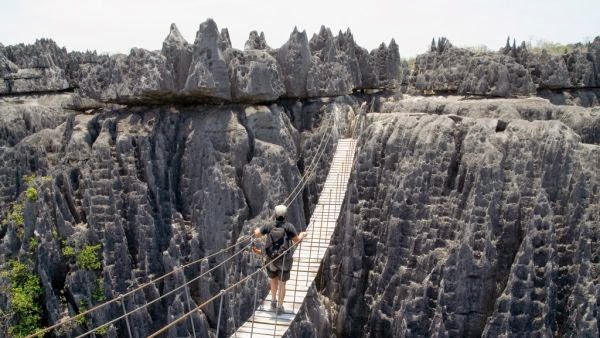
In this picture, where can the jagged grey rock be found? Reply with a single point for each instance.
(255, 76)
(224, 40)
(387, 65)
(368, 69)
(138, 76)
(327, 76)
(345, 42)
(32, 68)
(31, 80)
(179, 54)
(7, 67)
(208, 71)
(43, 53)
(454, 70)
(581, 70)
(328, 79)
(464, 217)
(295, 60)
(464, 229)
(256, 41)
(167, 171)
(550, 72)
(583, 121)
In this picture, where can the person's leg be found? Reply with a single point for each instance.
(274, 285)
(281, 292)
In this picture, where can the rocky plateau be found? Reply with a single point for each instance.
(473, 209)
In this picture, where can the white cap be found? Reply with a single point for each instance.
(280, 210)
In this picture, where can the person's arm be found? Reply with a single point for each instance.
(258, 233)
(299, 237)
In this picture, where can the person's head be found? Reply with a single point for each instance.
(280, 212)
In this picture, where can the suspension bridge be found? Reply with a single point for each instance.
(307, 256)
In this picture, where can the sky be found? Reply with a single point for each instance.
(115, 26)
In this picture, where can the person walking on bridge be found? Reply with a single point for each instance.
(279, 236)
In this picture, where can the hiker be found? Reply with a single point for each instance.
(278, 240)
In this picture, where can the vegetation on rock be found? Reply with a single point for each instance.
(25, 291)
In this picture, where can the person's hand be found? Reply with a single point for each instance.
(302, 235)
(256, 250)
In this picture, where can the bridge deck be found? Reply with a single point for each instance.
(308, 256)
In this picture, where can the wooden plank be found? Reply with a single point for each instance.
(264, 330)
(280, 323)
(279, 326)
(244, 334)
(282, 317)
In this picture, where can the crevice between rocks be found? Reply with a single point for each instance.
(455, 161)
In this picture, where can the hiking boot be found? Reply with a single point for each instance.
(280, 309)
(273, 305)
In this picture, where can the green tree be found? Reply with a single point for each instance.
(88, 257)
(25, 307)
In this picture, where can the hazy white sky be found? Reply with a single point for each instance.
(117, 25)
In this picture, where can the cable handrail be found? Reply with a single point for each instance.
(222, 292)
(311, 167)
(166, 294)
(128, 293)
(309, 173)
(295, 192)
(302, 183)
(233, 286)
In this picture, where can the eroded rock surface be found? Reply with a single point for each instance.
(255, 76)
(208, 71)
(458, 228)
(570, 78)
(208, 74)
(155, 188)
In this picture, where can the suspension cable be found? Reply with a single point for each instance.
(153, 281)
(220, 294)
(208, 301)
(168, 293)
(308, 174)
(323, 143)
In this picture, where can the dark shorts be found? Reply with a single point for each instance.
(274, 270)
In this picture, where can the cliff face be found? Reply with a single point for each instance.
(468, 227)
(156, 188)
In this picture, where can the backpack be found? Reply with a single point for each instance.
(276, 242)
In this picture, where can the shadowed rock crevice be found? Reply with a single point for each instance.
(454, 166)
